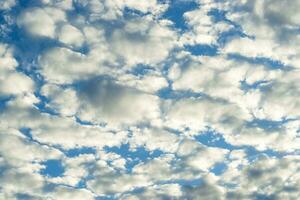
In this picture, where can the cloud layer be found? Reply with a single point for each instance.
(150, 99)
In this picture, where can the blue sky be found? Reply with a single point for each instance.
(149, 99)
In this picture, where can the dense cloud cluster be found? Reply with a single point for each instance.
(149, 99)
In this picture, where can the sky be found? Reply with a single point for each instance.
(149, 99)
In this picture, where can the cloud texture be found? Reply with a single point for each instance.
(149, 99)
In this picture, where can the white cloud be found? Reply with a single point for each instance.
(64, 101)
(102, 100)
(96, 10)
(27, 151)
(76, 135)
(156, 192)
(145, 5)
(274, 25)
(14, 182)
(70, 35)
(154, 139)
(76, 169)
(251, 47)
(113, 9)
(204, 30)
(8, 4)
(150, 83)
(146, 41)
(61, 193)
(65, 5)
(11, 81)
(207, 190)
(200, 157)
(7, 62)
(197, 114)
(20, 163)
(220, 78)
(41, 21)
(61, 65)
(15, 83)
(269, 177)
(281, 100)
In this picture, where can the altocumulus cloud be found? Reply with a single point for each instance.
(149, 99)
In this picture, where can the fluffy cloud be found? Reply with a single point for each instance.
(157, 192)
(26, 153)
(54, 62)
(204, 29)
(11, 81)
(274, 25)
(197, 114)
(113, 9)
(65, 5)
(219, 77)
(41, 21)
(104, 101)
(268, 178)
(70, 35)
(199, 157)
(281, 99)
(147, 42)
(16, 83)
(76, 135)
(207, 190)
(62, 101)
(15, 181)
(20, 166)
(4, 5)
(150, 83)
(155, 139)
(70, 193)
